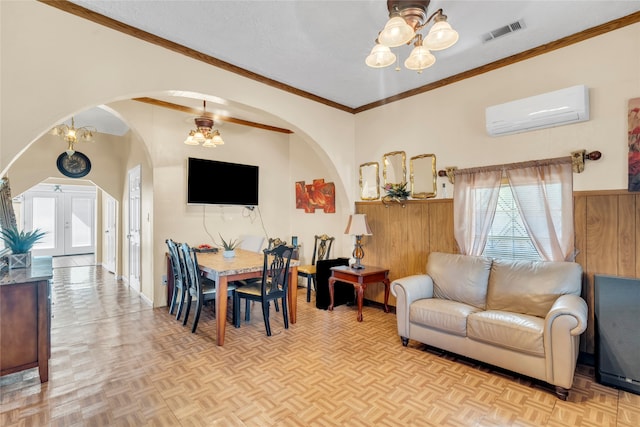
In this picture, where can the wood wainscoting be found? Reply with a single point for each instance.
(607, 227)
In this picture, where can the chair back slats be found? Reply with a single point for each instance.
(322, 248)
(175, 263)
(275, 271)
(191, 269)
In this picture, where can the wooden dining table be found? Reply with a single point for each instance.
(244, 265)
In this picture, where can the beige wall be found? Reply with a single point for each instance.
(450, 121)
(115, 66)
(40, 88)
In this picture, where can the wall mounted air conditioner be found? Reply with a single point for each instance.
(561, 107)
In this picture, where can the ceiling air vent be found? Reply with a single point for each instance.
(503, 31)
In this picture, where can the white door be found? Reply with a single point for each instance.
(67, 216)
(110, 233)
(79, 228)
(134, 228)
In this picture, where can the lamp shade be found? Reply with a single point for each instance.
(380, 56)
(358, 226)
(441, 36)
(419, 59)
(396, 32)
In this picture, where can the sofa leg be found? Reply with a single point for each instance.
(562, 393)
(405, 341)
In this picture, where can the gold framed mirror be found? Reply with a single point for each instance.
(423, 176)
(369, 181)
(394, 168)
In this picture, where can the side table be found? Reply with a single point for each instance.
(360, 278)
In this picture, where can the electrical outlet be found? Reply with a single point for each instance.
(164, 279)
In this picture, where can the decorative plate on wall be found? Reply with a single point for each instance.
(75, 166)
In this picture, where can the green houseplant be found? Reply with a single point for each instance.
(229, 246)
(20, 243)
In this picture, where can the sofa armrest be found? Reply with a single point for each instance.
(569, 305)
(407, 290)
(563, 325)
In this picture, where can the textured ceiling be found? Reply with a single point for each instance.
(320, 46)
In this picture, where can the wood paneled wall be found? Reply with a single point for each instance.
(607, 227)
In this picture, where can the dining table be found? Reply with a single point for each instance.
(244, 265)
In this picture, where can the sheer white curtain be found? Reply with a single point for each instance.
(544, 194)
(475, 198)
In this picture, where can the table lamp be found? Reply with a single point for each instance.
(357, 226)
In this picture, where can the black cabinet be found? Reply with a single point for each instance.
(617, 314)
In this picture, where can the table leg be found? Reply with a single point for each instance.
(293, 294)
(387, 287)
(360, 292)
(332, 280)
(221, 309)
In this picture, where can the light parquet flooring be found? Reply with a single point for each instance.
(117, 362)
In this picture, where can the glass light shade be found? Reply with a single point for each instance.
(419, 59)
(217, 139)
(441, 36)
(190, 139)
(209, 143)
(396, 32)
(380, 56)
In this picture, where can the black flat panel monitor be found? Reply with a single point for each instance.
(213, 182)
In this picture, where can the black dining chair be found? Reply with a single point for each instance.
(321, 250)
(272, 287)
(272, 242)
(179, 286)
(200, 288)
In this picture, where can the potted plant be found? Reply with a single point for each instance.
(229, 247)
(20, 244)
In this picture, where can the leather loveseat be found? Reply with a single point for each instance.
(523, 316)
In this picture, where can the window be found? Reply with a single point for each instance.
(508, 238)
(517, 211)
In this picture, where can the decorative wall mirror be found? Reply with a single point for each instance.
(395, 168)
(423, 176)
(7, 216)
(369, 181)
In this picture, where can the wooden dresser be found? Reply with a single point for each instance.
(25, 318)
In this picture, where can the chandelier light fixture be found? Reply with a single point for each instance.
(71, 135)
(203, 133)
(406, 19)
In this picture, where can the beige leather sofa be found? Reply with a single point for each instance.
(523, 316)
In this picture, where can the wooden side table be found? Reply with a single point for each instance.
(360, 278)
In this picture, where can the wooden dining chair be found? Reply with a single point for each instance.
(200, 288)
(272, 287)
(272, 243)
(321, 250)
(179, 286)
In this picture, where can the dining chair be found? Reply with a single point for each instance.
(272, 287)
(321, 250)
(272, 243)
(200, 288)
(179, 286)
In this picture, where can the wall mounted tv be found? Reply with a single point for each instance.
(221, 183)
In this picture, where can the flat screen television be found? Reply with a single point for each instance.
(220, 183)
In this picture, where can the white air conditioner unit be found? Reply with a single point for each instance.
(561, 107)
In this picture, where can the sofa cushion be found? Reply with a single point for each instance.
(461, 278)
(519, 332)
(531, 287)
(445, 315)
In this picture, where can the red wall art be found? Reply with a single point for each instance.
(319, 195)
(634, 144)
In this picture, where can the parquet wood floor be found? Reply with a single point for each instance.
(117, 362)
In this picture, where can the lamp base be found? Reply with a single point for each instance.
(357, 266)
